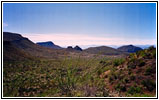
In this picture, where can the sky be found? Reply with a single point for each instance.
(83, 24)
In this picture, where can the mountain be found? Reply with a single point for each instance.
(49, 44)
(70, 48)
(16, 43)
(129, 48)
(103, 50)
(11, 53)
(77, 48)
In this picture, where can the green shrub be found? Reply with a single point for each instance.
(149, 84)
(118, 62)
(120, 87)
(132, 77)
(154, 53)
(149, 71)
(112, 76)
(141, 53)
(117, 86)
(67, 80)
(129, 71)
(105, 62)
(125, 80)
(99, 72)
(141, 63)
(133, 90)
(133, 55)
(151, 48)
(131, 65)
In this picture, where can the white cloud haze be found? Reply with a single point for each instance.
(79, 39)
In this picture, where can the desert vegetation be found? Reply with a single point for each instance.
(82, 77)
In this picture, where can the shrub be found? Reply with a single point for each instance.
(120, 87)
(125, 80)
(141, 53)
(67, 80)
(132, 90)
(131, 65)
(129, 71)
(149, 84)
(154, 53)
(133, 56)
(102, 62)
(118, 62)
(149, 71)
(151, 48)
(99, 72)
(110, 78)
(141, 63)
(132, 77)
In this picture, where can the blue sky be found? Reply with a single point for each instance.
(83, 23)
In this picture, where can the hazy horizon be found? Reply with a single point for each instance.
(83, 24)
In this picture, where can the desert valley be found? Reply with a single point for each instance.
(45, 69)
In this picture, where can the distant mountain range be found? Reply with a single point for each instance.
(49, 44)
(116, 46)
(18, 47)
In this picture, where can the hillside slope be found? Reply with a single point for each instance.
(134, 76)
